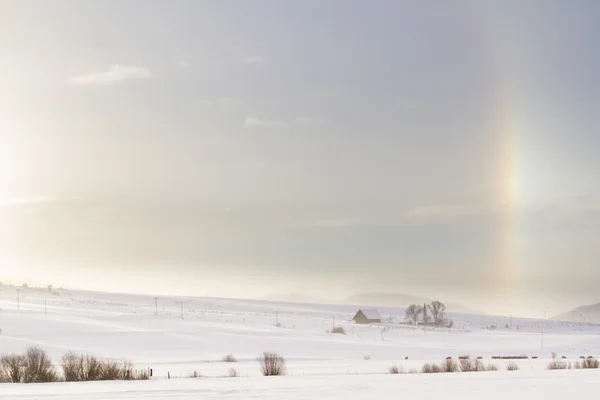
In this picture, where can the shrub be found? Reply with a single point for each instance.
(38, 367)
(394, 370)
(475, 365)
(233, 373)
(557, 364)
(367, 357)
(576, 365)
(71, 367)
(271, 364)
(229, 358)
(431, 369)
(339, 329)
(137, 375)
(512, 366)
(491, 367)
(111, 371)
(13, 368)
(590, 363)
(449, 365)
(90, 368)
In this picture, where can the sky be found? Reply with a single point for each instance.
(248, 149)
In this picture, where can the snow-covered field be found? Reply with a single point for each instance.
(319, 364)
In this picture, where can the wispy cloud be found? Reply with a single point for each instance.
(252, 122)
(254, 60)
(115, 73)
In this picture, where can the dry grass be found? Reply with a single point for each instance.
(449, 365)
(338, 329)
(475, 365)
(394, 370)
(233, 373)
(491, 367)
(413, 371)
(271, 364)
(576, 365)
(512, 366)
(590, 363)
(557, 364)
(84, 367)
(431, 369)
(229, 358)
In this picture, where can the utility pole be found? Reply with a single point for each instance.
(156, 306)
(18, 299)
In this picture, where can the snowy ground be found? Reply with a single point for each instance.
(125, 327)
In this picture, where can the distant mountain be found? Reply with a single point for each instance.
(584, 313)
(401, 300)
(294, 298)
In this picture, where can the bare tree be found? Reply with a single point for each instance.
(412, 314)
(426, 319)
(438, 312)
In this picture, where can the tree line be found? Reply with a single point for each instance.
(432, 314)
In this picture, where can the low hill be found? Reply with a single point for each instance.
(589, 313)
(401, 300)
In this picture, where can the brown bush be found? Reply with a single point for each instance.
(111, 371)
(229, 358)
(71, 367)
(13, 368)
(475, 365)
(233, 373)
(512, 366)
(271, 364)
(557, 364)
(394, 370)
(576, 365)
(590, 363)
(491, 367)
(449, 365)
(38, 367)
(338, 329)
(413, 371)
(431, 369)
(90, 368)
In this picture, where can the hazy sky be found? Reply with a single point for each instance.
(235, 148)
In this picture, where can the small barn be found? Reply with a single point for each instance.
(367, 316)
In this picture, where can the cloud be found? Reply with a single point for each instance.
(115, 73)
(255, 122)
(254, 60)
(444, 211)
(332, 223)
